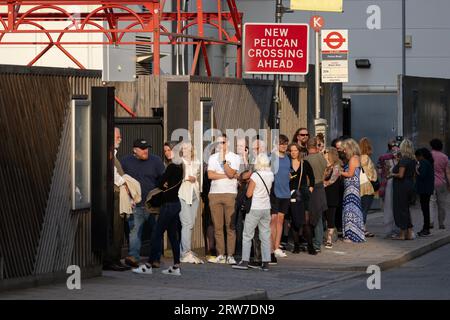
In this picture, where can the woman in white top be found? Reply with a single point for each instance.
(259, 215)
(189, 195)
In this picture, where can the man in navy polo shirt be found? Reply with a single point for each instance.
(147, 169)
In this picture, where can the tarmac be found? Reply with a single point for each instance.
(294, 274)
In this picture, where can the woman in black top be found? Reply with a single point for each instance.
(299, 204)
(169, 213)
(403, 190)
(425, 185)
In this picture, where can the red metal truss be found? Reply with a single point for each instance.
(116, 18)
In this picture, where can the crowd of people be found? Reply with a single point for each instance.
(254, 202)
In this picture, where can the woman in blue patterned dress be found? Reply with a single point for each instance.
(352, 216)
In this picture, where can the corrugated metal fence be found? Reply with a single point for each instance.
(34, 149)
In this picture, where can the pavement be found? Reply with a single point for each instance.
(293, 276)
(424, 278)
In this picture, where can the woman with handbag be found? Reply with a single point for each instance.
(301, 184)
(332, 181)
(352, 217)
(169, 217)
(367, 188)
(189, 195)
(259, 215)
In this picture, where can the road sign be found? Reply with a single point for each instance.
(316, 23)
(334, 40)
(276, 48)
(334, 55)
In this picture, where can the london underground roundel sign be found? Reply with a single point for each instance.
(276, 48)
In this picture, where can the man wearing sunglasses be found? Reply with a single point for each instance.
(222, 170)
(301, 137)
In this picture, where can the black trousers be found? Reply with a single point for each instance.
(330, 214)
(402, 194)
(116, 235)
(425, 205)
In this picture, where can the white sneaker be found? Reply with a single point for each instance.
(280, 254)
(143, 269)
(171, 271)
(197, 260)
(218, 259)
(230, 260)
(188, 258)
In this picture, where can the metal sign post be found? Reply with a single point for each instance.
(320, 125)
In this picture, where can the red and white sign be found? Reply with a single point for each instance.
(316, 23)
(334, 41)
(334, 56)
(276, 48)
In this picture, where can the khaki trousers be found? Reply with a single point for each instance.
(222, 214)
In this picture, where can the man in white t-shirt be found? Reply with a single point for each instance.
(222, 170)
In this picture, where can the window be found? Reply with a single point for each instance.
(81, 157)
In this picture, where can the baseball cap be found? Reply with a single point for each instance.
(141, 144)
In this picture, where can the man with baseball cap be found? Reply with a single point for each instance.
(147, 169)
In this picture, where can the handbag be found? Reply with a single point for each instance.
(297, 195)
(376, 185)
(363, 177)
(154, 199)
(246, 202)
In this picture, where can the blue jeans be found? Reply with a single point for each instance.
(260, 219)
(169, 219)
(318, 234)
(136, 224)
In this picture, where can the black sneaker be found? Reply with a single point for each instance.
(243, 265)
(423, 233)
(273, 259)
(296, 249)
(254, 265)
(265, 266)
(312, 251)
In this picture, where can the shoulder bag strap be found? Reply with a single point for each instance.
(179, 182)
(267, 189)
(174, 186)
(301, 174)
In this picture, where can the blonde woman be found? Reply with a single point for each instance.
(367, 191)
(189, 195)
(332, 182)
(259, 216)
(403, 190)
(352, 216)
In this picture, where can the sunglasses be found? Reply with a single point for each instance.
(303, 134)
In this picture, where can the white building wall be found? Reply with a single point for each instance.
(90, 56)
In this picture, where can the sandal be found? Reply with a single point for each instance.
(329, 245)
(369, 234)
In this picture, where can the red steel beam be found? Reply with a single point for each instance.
(195, 60)
(205, 57)
(125, 107)
(139, 22)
